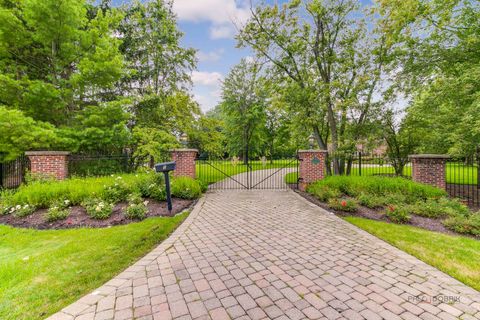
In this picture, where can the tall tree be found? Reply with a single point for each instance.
(243, 106)
(438, 64)
(326, 51)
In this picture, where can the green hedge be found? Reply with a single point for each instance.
(42, 194)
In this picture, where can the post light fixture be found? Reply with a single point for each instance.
(311, 141)
(184, 139)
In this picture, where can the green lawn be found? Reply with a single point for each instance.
(211, 171)
(455, 255)
(44, 271)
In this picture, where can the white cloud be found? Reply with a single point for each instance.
(210, 56)
(207, 88)
(211, 79)
(223, 14)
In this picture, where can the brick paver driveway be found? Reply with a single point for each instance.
(273, 255)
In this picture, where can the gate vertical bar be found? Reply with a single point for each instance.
(360, 163)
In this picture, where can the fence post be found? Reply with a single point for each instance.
(430, 169)
(312, 166)
(359, 163)
(53, 164)
(185, 159)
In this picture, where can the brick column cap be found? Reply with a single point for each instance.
(183, 150)
(47, 153)
(429, 156)
(313, 151)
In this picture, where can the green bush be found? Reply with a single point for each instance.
(44, 194)
(381, 186)
(57, 213)
(397, 214)
(186, 188)
(76, 190)
(137, 208)
(116, 192)
(347, 205)
(322, 192)
(440, 208)
(370, 201)
(466, 225)
(98, 208)
(23, 210)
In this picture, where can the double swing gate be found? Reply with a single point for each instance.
(261, 173)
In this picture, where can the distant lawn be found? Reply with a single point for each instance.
(42, 272)
(455, 172)
(455, 255)
(212, 171)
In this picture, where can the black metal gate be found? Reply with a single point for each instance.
(12, 173)
(261, 173)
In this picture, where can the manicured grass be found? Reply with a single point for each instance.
(455, 172)
(291, 177)
(44, 271)
(211, 171)
(455, 255)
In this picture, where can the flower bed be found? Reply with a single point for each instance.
(396, 200)
(95, 202)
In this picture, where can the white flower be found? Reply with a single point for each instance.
(66, 201)
(18, 207)
(25, 206)
(145, 202)
(98, 209)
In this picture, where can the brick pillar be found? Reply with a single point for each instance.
(185, 162)
(312, 166)
(53, 164)
(429, 169)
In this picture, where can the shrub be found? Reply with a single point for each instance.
(347, 205)
(466, 225)
(322, 192)
(98, 209)
(57, 213)
(443, 207)
(77, 190)
(397, 214)
(137, 208)
(5, 209)
(22, 210)
(116, 192)
(152, 186)
(370, 201)
(186, 188)
(382, 186)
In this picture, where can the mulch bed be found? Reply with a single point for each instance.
(78, 216)
(364, 212)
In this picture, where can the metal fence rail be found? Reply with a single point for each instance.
(84, 165)
(462, 177)
(234, 173)
(365, 164)
(12, 173)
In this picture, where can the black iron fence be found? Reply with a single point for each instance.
(258, 173)
(362, 163)
(84, 165)
(462, 177)
(12, 173)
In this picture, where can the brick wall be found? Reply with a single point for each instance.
(185, 162)
(49, 163)
(312, 166)
(429, 169)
